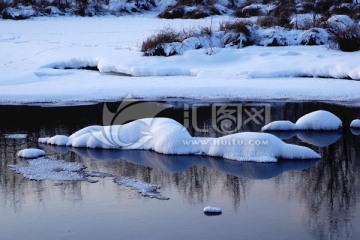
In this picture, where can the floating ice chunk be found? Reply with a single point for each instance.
(280, 126)
(212, 210)
(50, 169)
(167, 136)
(319, 120)
(31, 153)
(15, 136)
(355, 123)
(145, 189)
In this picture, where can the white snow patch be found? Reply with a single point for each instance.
(31, 153)
(50, 169)
(210, 209)
(280, 126)
(56, 140)
(167, 136)
(355, 123)
(15, 136)
(145, 189)
(318, 120)
(229, 73)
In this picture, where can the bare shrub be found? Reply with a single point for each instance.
(237, 26)
(268, 21)
(153, 45)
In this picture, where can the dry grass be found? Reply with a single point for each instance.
(239, 26)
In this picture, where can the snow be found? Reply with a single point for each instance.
(31, 153)
(145, 189)
(213, 210)
(280, 126)
(22, 12)
(50, 169)
(31, 49)
(167, 136)
(340, 22)
(15, 136)
(318, 120)
(355, 123)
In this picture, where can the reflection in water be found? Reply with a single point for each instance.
(327, 192)
(315, 138)
(319, 139)
(180, 163)
(355, 131)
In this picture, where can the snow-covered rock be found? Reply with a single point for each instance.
(355, 123)
(50, 169)
(280, 126)
(167, 136)
(212, 210)
(318, 120)
(31, 153)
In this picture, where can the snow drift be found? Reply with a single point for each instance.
(318, 120)
(167, 136)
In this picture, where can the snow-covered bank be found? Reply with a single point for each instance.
(164, 135)
(31, 49)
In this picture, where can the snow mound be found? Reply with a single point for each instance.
(318, 120)
(167, 136)
(355, 123)
(31, 153)
(212, 210)
(50, 169)
(280, 126)
(15, 136)
(145, 189)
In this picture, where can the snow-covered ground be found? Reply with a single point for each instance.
(31, 49)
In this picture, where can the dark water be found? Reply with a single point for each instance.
(283, 200)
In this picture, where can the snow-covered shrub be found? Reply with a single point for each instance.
(20, 13)
(254, 9)
(267, 21)
(155, 45)
(193, 9)
(347, 40)
(275, 36)
(283, 12)
(236, 34)
(314, 36)
(345, 33)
